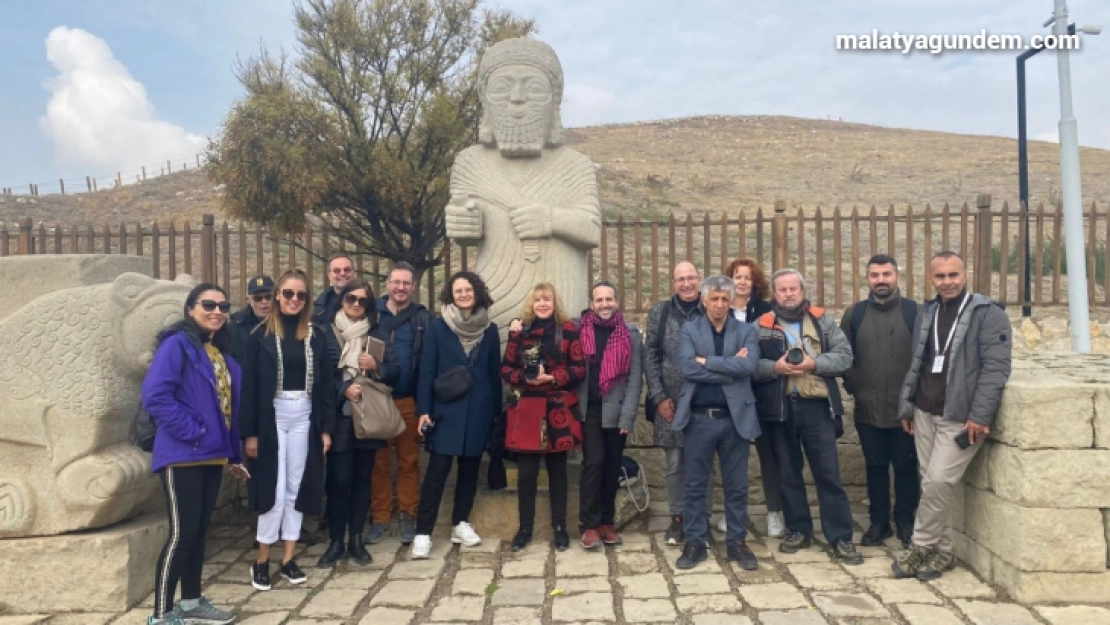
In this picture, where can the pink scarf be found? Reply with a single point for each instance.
(618, 351)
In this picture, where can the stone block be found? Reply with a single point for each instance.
(472, 582)
(842, 604)
(773, 596)
(826, 576)
(1042, 411)
(984, 613)
(591, 606)
(458, 609)
(1106, 523)
(519, 592)
(977, 557)
(105, 570)
(1052, 587)
(32, 276)
(1037, 539)
(1075, 615)
(1102, 418)
(977, 474)
(962, 584)
(339, 603)
(792, 617)
(647, 586)
(1051, 478)
(902, 591)
(648, 611)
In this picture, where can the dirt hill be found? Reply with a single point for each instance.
(698, 164)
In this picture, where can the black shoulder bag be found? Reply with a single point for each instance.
(650, 407)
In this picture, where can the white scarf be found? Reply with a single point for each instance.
(352, 339)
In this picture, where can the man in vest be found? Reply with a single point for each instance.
(802, 350)
(879, 329)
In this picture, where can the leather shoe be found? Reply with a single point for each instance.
(332, 556)
(357, 549)
(522, 538)
(692, 554)
(875, 535)
(742, 554)
(560, 538)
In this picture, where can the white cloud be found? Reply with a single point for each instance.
(98, 115)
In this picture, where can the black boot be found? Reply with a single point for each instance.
(332, 556)
(522, 538)
(357, 550)
(559, 538)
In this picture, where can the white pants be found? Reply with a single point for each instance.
(292, 419)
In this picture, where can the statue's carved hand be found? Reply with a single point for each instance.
(532, 221)
(463, 217)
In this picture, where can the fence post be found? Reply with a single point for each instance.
(983, 244)
(26, 241)
(208, 248)
(778, 235)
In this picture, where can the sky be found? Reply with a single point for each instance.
(93, 87)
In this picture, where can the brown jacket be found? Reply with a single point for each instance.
(881, 359)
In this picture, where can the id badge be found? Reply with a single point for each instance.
(938, 364)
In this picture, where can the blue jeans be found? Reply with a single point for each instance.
(702, 438)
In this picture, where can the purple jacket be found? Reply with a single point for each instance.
(179, 392)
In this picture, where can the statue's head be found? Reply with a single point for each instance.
(520, 83)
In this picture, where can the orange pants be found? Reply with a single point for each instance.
(408, 469)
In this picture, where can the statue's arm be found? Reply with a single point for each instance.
(579, 223)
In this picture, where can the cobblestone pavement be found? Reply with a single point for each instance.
(633, 583)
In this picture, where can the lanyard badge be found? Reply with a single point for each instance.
(940, 351)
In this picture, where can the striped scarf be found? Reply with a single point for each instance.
(617, 359)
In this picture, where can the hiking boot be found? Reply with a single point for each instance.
(692, 554)
(260, 575)
(173, 617)
(875, 535)
(591, 539)
(293, 573)
(408, 528)
(332, 556)
(559, 538)
(935, 565)
(794, 542)
(675, 536)
(522, 538)
(776, 524)
(907, 564)
(377, 533)
(357, 550)
(846, 552)
(609, 535)
(204, 613)
(742, 554)
(905, 535)
(464, 534)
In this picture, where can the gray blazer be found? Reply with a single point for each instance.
(618, 408)
(732, 372)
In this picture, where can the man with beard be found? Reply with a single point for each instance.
(341, 269)
(802, 351)
(525, 200)
(879, 330)
(260, 294)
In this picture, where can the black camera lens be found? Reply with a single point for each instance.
(795, 356)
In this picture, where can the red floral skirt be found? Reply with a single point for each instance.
(543, 424)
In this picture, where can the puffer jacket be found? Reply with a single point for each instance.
(978, 366)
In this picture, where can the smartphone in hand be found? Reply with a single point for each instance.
(963, 439)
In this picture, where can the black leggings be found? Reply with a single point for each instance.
(435, 480)
(528, 467)
(348, 490)
(191, 494)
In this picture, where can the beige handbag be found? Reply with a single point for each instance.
(375, 416)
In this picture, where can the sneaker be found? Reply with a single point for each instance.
(421, 547)
(742, 554)
(173, 617)
(609, 535)
(377, 533)
(907, 564)
(591, 539)
(846, 552)
(260, 575)
(905, 535)
(722, 526)
(293, 573)
(776, 524)
(675, 536)
(692, 554)
(794, 542)
(205, 614)
(935, 565)
(464, 534)
(408, 528)
(522, 538)
(875, 535)
(559, 538)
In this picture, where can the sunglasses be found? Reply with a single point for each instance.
(209, 305)
(261, 297)
(353, 300)
(289, 294)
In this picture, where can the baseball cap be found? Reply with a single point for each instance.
(260, 284)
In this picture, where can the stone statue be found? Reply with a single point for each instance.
(71, 365)
(528, 202)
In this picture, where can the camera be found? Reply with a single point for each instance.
(795, 356)
(427, 428)
(533, 360)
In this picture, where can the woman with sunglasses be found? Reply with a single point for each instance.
(458, 393)
(288, 419)
(192, 394)
(351, 460)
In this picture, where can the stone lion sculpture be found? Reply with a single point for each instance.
(71, 366)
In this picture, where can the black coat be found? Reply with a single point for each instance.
(462, 427)
(259, 389)
(388, 371)
(240, 323)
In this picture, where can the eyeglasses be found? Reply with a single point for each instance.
(209, 305)
(353, 300)
(343, 270)
(261, 297)
(401, 284)
(686, 279)
(301, 296)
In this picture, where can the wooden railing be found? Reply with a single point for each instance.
(830, 247)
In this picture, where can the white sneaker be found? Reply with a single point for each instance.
(776, 525)
(721, 526)
(463, 534)
(421, 547)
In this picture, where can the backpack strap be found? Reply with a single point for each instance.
(661, 331)
(909, 313)
(858, 311)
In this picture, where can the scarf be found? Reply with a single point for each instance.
(617, 359)
(351, 335)
(470, 330)
(792, 315)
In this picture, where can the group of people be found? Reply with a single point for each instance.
(729, 361)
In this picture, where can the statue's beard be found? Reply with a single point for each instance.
(523, 136)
